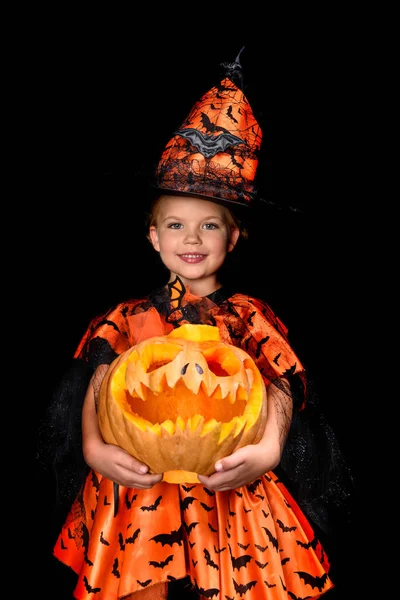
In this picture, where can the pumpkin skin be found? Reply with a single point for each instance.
(180, 402)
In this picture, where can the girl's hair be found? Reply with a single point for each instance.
(232, 219)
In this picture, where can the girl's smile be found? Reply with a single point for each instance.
(192, 258)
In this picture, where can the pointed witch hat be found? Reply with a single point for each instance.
(214, 154)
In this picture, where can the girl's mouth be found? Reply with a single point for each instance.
(192, 258)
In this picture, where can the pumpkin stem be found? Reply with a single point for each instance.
(196, 333)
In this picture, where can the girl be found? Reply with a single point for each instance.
(238, 533)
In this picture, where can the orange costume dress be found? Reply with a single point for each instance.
(252, 543)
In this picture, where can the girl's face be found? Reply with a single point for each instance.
(193, 237)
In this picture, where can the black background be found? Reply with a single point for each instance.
(103, 103)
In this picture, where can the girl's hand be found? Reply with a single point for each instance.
(118, 465)
(243, 466)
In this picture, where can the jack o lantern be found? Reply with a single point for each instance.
(182, 401)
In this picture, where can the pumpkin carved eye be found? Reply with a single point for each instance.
(180, 402)
(221, 361)
(155, 356)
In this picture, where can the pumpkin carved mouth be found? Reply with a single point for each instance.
(181, 401)
(187, 384)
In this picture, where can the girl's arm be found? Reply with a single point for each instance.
(107, 459)
(279, 418)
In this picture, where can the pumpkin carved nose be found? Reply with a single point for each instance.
(198, 369)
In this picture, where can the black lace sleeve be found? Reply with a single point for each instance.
(314, 468)
(60, 429)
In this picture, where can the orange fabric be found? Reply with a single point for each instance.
(249, 539)
(263, 335)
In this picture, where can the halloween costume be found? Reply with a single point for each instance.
(253, 542)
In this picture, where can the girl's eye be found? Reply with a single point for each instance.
(210, 226)
(174, 226)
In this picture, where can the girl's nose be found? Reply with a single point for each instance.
(192, 237)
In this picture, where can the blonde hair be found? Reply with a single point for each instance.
(231, 219)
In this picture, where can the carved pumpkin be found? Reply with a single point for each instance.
(180, 402)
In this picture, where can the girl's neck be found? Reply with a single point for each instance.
(201, 288)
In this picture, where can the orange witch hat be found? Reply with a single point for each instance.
(214, 154)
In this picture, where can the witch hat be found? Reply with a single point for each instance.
(214, 154)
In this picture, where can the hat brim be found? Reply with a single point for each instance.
(167, 191)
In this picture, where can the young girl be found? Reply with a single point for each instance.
(238, 533)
